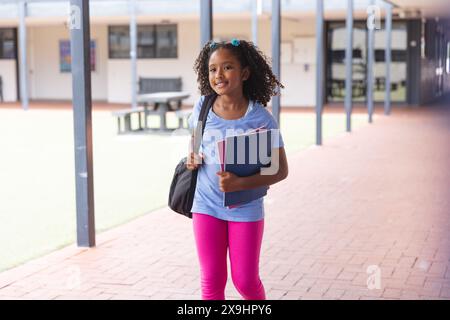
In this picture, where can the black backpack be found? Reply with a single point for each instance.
(184, 181)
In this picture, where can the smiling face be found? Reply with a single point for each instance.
(226, 75)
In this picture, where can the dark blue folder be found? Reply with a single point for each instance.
(245, 155)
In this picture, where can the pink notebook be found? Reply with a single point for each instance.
(221, 148)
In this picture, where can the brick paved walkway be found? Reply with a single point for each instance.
(379, 196)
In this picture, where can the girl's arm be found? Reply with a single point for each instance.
(229, 182)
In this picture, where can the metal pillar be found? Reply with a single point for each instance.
(255, 4)
(387, 99)
(82, 104)
(133, 52)
(319, 70)
(349, 66)
(370, 63)
(276, 40)
(206, 29)
(23, 67)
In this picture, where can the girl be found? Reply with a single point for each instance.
(239, 74)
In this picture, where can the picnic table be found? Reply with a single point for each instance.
(158, 103)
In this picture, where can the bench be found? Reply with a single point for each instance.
(125, 114)
(154, 85)
(124, 125)
(183, 115)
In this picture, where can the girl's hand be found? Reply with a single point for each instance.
(229, 182)
(194, 161)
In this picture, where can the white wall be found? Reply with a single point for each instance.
(299, 84)
(46, 81)
(8, 74)
(112, 81)
(298, 77)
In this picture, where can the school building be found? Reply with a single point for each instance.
(168, 41)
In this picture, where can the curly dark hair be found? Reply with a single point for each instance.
(262, 83)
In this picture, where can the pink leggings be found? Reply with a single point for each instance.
(213, 236)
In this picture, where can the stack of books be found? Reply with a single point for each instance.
(245, 155)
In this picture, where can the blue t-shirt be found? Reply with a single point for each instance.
(208, 198)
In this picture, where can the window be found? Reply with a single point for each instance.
(397, 55)
(166, 41)
(119, 42)
(153, 41)
(7, 44)
(146, 42)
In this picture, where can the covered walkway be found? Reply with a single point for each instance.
(365, 216)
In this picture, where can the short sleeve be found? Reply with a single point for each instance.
(277, 139)
(193, 118)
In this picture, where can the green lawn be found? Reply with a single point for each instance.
(132, 174)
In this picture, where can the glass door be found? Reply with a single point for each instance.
(336, 62)
(398, 63)
(335, 74)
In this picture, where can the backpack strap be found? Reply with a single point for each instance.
(200, 129)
